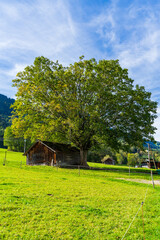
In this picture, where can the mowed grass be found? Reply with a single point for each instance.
(122, 168)
(42, 202)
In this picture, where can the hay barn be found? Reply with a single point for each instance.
(48, 153)
(109, 161)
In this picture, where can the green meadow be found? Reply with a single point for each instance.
(42, 202)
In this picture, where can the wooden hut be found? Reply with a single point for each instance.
(109, 161)
(48, 153)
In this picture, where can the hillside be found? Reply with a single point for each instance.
(5, 104)
(153, 145)
(5, 113)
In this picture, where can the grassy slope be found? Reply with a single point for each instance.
(122, 168)
(49, 203)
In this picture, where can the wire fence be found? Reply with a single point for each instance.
(140, 207)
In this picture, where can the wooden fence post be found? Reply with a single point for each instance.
(152, 178)
(79, 170)
(4, 161)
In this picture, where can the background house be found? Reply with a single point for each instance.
(109, 161)
(48, 153)
(152, 164)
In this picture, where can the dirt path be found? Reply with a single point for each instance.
(156, 182)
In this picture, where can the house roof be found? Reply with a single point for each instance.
(55, 147)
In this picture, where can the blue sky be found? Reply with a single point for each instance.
(66, 29)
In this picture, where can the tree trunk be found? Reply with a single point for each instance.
(83, 155)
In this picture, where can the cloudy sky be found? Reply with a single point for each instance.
(128, 30)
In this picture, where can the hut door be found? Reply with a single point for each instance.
(54, 158)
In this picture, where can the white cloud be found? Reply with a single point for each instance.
(35, 28)
(39, 27)
(105, 24)
(44, 27)
(135, 41)
(9, 11)
(17, 68)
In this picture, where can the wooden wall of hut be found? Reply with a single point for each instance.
(40, 155)
(68, 158)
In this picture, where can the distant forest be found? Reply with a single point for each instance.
(5, 113)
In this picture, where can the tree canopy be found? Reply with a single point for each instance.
(86, 103)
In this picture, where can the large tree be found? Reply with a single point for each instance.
(86, 103)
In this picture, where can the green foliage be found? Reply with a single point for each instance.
(132, 159)
(138, 159)
(13, 143)
(93, 157)
(121, 157)
(157, 157)
(84, 104)
(96, 153)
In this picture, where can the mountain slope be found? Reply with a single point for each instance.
(5, 104)
(5, 113)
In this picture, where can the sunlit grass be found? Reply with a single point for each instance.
(120, 167)
(40, 202)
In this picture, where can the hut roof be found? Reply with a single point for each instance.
(55, 147)
(60, 147)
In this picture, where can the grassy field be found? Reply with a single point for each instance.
(41, 202)
(122, 168)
